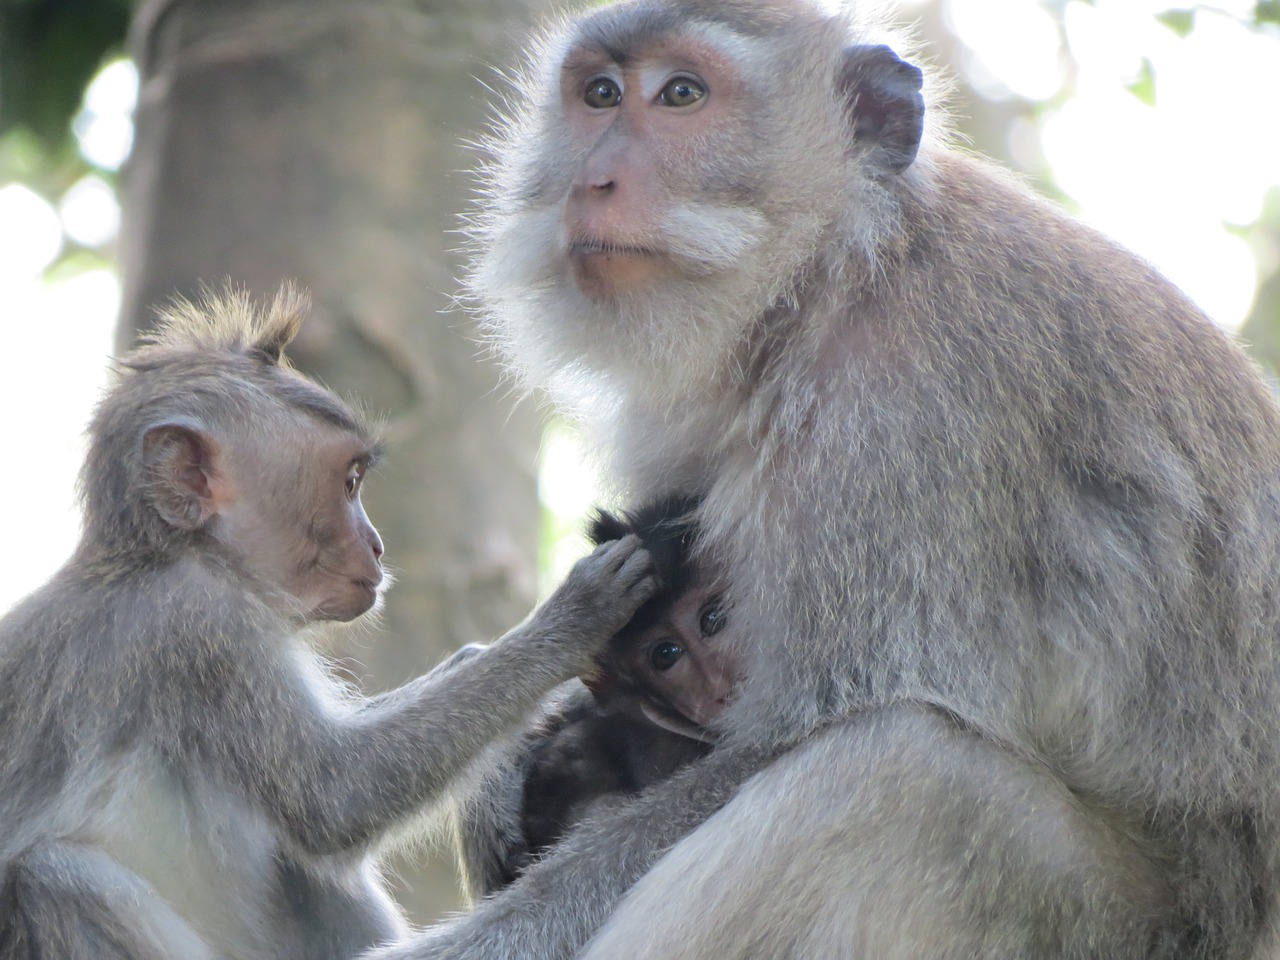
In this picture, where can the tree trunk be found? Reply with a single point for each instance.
(320, 141)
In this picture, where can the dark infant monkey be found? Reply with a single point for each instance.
(662, 682)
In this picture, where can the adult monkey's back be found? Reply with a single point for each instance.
(999, 504)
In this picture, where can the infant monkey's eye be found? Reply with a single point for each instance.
(664, 655)
(712, 619)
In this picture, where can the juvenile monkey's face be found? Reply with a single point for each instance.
(299, 525)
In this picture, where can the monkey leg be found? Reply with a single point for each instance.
(333, 912)
(896, 834)
(489, 806)
(72, 901)
(488, 820)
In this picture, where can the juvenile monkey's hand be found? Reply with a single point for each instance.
(597, 598)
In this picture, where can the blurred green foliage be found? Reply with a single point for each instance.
(1144, 87)
(1181, 22)
(49, 51)
(1261, 330)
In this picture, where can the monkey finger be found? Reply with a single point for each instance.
(609, 546)
(625, 552)
(643, 590)
(638, 568)
(607, 559)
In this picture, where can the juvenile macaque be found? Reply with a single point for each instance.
(661, 684)
(997, 506)
(180, 777)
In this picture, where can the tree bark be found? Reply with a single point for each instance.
(321, 141)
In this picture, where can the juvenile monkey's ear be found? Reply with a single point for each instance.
(882, 94)
(183, 481)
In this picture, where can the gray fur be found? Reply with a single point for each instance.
(181, 777)
(1001, 507)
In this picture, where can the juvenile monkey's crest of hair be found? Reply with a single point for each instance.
(231, 321)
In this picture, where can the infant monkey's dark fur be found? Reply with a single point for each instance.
(587, 753)
(658, 691)
(180, 778)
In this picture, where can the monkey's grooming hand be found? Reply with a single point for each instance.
(601, 593)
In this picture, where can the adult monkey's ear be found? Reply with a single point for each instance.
(882, 95)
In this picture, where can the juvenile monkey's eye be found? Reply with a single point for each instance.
(664, 655)
(682, 92)
(712, 619)
(602, 92)
(355, 476)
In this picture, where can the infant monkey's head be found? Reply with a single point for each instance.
(675, 663)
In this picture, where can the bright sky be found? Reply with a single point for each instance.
(1163, 180)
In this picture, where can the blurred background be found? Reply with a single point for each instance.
(149, 147)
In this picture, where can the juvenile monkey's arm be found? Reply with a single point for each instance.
(339, 778)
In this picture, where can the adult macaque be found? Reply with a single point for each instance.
(998, 506)
(661, 684)
(180, 777)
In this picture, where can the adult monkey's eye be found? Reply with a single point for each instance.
(664, 655)
(682, 92)
(602, 92)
